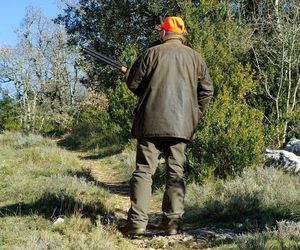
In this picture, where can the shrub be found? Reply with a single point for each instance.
(91, 129)
(228, 140)
(121, 106)
(9, 114)
(258, 195)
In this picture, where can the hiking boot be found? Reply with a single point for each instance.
(173, 230)
(171, 226)
(132, 232)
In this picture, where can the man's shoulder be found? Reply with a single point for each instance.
(165, 47)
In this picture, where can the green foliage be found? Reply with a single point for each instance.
(111, 27)
(230, 137)
(276, 57)
(92, 128)
(10, 118)
(294, 129)
(215, 35)
(121, 106)
(9, 113)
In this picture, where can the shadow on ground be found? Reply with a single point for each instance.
(120, 188)
(251, 218)
(108, 146)
(106, 152)
(52, 205)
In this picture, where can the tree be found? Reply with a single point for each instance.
(277, 58)
(43, 70)
(9, 113)
(120, 30)
(111, 27)
(230, 137)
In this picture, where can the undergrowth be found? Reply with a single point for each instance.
(251, 204)
(260, 195)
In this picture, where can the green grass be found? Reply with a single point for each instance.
(41, 182)
(36, 232)
(36, 176)
(261, 196)
(285, 235)
(251, 204)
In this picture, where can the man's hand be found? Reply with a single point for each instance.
(123, 69)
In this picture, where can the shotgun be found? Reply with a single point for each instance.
(105, 59)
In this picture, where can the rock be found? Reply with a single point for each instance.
(282, 159)
(213, 234)
(293, 146)
(107, 218)
(59, 221)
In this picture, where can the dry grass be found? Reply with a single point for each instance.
(41, 182)
(251, 204)
(285, 235)
(258, 194)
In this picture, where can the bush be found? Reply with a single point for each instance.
(228, 140)
(258, 196)
(230, 137)
(121, 106)
(9, 113)
(91, 129)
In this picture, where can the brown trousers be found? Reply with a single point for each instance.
(148, 151)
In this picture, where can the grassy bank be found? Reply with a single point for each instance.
(41, 183)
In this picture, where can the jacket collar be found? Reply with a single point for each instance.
(174, 37)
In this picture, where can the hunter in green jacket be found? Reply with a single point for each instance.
(174, 89)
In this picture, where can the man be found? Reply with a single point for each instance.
(174, 88)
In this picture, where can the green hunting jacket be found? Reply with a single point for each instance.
(174, 88)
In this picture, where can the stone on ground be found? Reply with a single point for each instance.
(282, 159)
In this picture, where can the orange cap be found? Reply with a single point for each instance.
(172, 23)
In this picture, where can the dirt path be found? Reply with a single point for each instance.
(103, 172)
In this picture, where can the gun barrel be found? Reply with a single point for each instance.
(102, 58)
